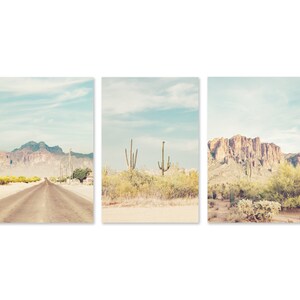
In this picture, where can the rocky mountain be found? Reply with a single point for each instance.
(39, 159)
(33, 147)
(241, 157)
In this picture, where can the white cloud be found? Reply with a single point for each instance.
(68, 95)
(255, 107)
(34, 109)
(26, 85)
(122, 96)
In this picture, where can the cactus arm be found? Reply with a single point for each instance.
(168, 164)
(126, 157)
(131, 156)
(159, 165)
(132, 166)
(135, 158)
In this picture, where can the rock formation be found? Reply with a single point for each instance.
(242, 149)
(241, 157)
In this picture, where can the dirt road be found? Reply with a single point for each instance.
(170, 214)
(45, 203)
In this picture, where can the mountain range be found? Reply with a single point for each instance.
(231, 159)
(39, 159)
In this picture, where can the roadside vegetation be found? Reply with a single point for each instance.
(13, 179)
(258, 202)
(80, 174)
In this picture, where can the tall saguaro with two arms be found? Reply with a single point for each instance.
(131, 162)
(162, 166)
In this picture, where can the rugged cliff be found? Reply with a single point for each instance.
(240, 149)
(239, 156)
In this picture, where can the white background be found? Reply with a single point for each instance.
(149, 38)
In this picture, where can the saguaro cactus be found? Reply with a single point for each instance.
(131, 162)
(231, 198)
(162, 166)
(249, 166)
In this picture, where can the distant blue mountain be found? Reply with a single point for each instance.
(34, 146)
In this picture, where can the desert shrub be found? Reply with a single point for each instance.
(178, 185)
(245, 209)
(3, 181)
(247, 189)
(282, 187)
(259, 211)
(291, 202)
(62, 179)
(14, 179)
(22, 179)
(237, 190)
(285, 184)
(53, 179)
(266, 210)
(216, 190)
(126, 189)
(32, 179)
(129, 184)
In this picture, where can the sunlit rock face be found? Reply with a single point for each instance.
(240, 149)
(240, 157)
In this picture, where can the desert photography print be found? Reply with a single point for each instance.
(46, 154)
(254, 150)
(150, 150)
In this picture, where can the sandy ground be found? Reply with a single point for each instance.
(220, 212)
(13, 188)
(166, 214)
(148, 202)
(288, 217)
(46, 203)
(85, 191)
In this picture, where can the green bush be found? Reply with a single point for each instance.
(292, 203)
(81, 174)
(240, 189)
(284, 184)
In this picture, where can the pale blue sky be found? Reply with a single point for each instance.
(58, 111)
(150, 110)
(264, 107)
